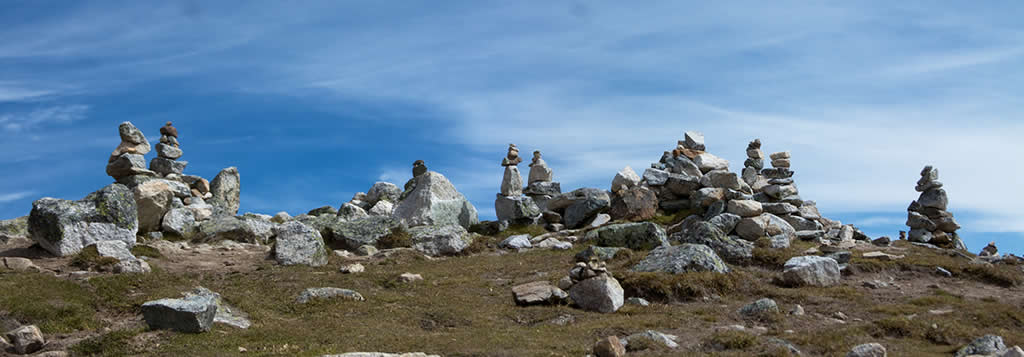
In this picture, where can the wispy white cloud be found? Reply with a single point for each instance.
(38, 117)
(14, 196)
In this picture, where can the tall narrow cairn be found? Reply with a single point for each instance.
(168, 152)
(541, 186)
(927, 217)
(510, 205)
(753, 165)
(127, 165)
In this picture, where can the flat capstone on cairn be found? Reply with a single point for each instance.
(511, 206)
(927, 217)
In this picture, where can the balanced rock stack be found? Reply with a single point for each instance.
(127, 165)
(780, 196)
(168, 152)
(511, 205)
(593, 288)
(541, 186)
(927, 217)
(753, 165)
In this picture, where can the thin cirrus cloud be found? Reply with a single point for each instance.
(864, 94)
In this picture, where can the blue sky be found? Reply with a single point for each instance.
(317, 100)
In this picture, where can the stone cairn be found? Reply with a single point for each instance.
(168, 152)
(753, 165)
(511, 206)
(542, 188)
(927, 217)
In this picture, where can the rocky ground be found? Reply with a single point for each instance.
(464, 305)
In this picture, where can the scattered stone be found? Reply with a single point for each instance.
(882, 242)
(190, 315)
(760, 309)
(410, 278)
(601, 294)
(226, 314)
(609, 347)
(538, 293)
(655, 337)
(19, 264)
(352, 269)
(811, 271)
(638, 301)
(440, 240)
(521, 241)
(683, 258)
(327, 293)
(881, 256)
(134, 266)
(364, 231)
(64, 227)
(797, 311)
(985, 345)
(552, 243)
(26, 339)
(366, 250)
(943, 272)
(597, 253)
(299, 244)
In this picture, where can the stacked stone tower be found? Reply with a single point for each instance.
(168, 152)
(927, 217)
(511, 206)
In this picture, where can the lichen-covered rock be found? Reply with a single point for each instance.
(760, 309)
(516, 209)
(382, 208)
(440, 240)
(26, 339)
(319, 211)
(733, 250)
(192, 314)
(598, 253)
(299, 244)
(385, 191)
(226, 314)
(64, 227)
(601, 294)
(434, 201)
(635, 236)
(684, 258)
(239, 229)
(365, 231)
(985, 345)
(226, 188)
(811, 271)
(350, 212)
(327, 293)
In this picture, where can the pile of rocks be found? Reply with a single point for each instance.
(511, 206)
(168, 151)
(927, 217)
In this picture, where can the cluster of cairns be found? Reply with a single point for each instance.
(518, 205)
(927, 217)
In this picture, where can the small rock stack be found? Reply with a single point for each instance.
(753, 165)
(168, 152)
(678, 179)
(511, 205)
(592, 287)
(127, 163)
(927, 217)
(542, 188)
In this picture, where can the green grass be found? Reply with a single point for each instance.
(55, 305)
(141, 250)
(89, 259)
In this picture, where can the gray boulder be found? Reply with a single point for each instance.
(226, 314)
(383, 191)
(226, 188)
(299, 244)
(511, 182)
(516, 209)
(802, 224)
(584, 204)
(166, 167)
(733, 250)
(707, 196)
(538, 293)
(440, 240)
(811, 271)
(637, 203)
(707, 162)
(682, 184)
(745, 208)
(64, 227)
(601, 294)
(180, 222)
(192, 314)
(683, 165)
(722, 179)
(153, 199)
(328, 293)
(635, 236)
(168, 151)
(239, 229)
(625, 179)
(985, 345)
(366, 231)
(765, 225)
(435, 201)
(726, 222)
(382, 208)
(350, 211)
(684, 258)
(760, 309)
(521, 241)
(655, 177)
(868, 350)
(26, 339)
(114, 249)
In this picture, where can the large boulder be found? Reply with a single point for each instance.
(601, 294)
(811, 271)
(625, 179)
(516, 209)
(226, 188)
(64, 227)
(634, 204)
(736, 251)
(299, 244)
(383, 191)
(635, 236)
(240, 229)
(580, 205)
(435, 201)
(154, 199)
(684, 258)
(366, 231)
(440, 240)
(192, 314)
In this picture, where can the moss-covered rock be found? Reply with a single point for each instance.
(64, 227)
